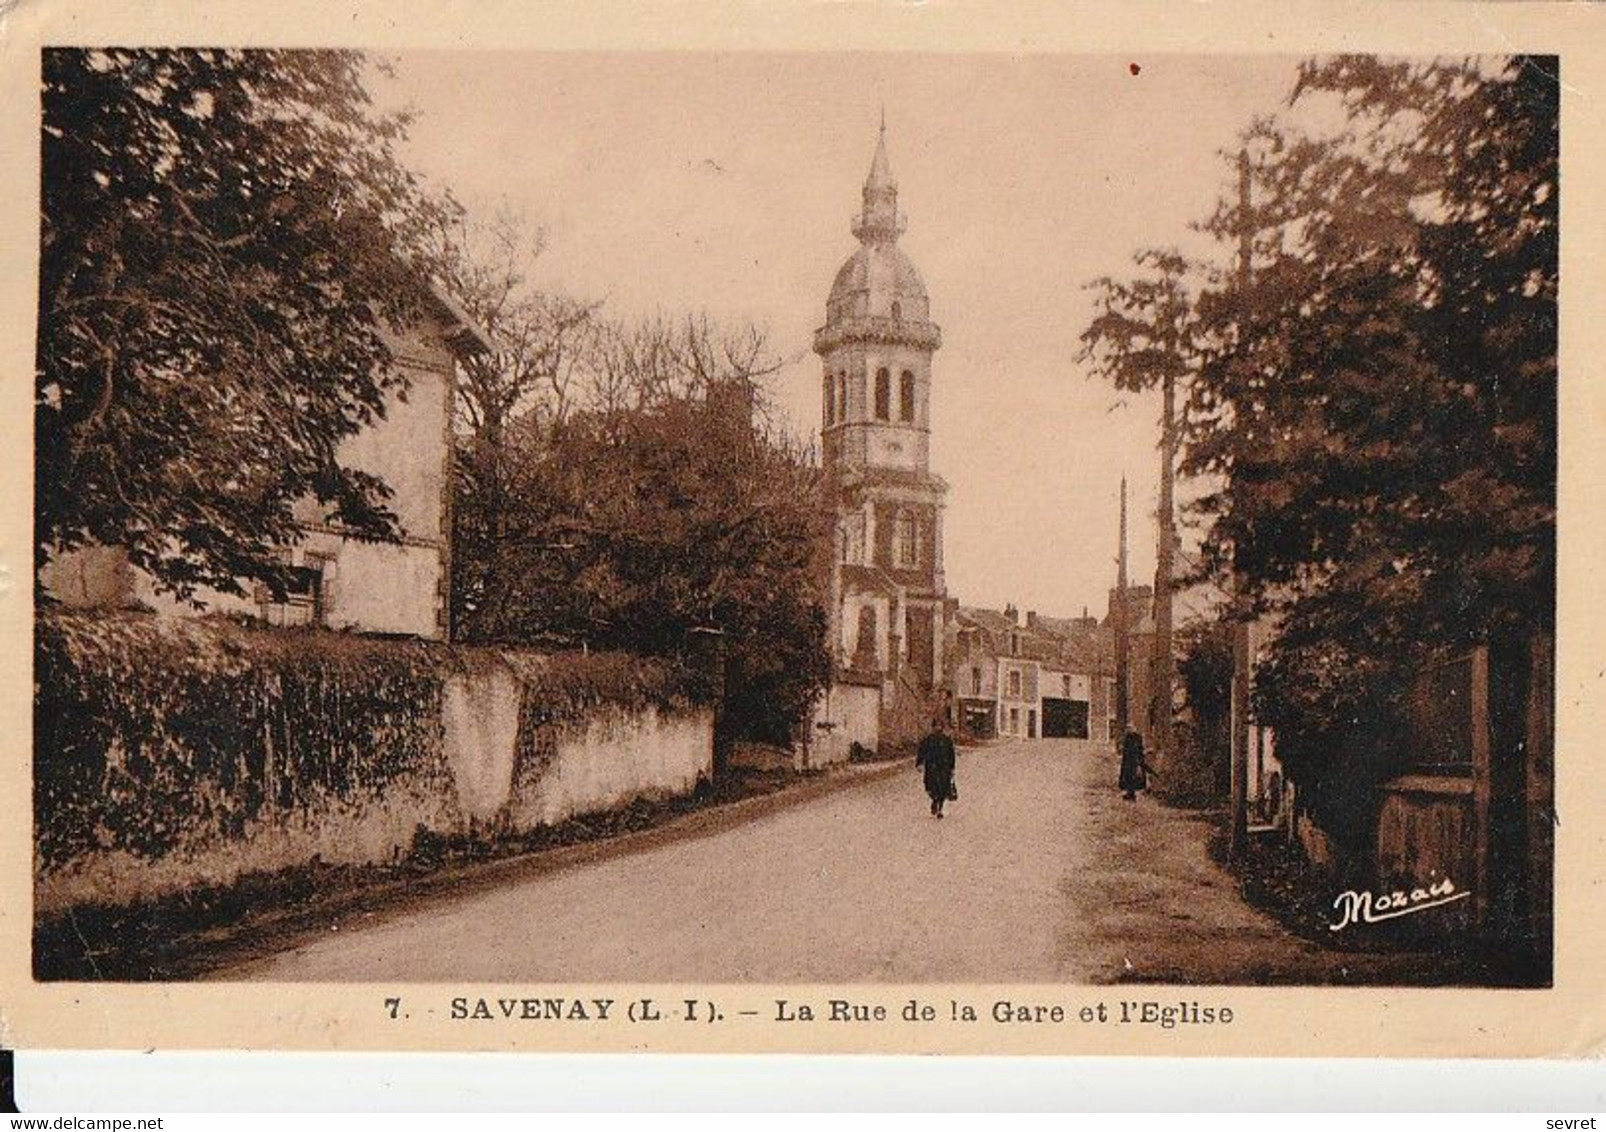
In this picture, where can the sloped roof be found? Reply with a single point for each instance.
(1053, 640)
(990, 619)
(868, 578)
(467, 335)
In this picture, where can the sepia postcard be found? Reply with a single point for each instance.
(871, 527)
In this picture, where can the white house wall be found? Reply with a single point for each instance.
(368, 586)
(845, 714)
(383, 588)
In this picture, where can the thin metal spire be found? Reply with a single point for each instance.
(880, 168)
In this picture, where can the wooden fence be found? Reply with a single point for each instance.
(1476, 802)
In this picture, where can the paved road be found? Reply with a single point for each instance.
(1041, 873)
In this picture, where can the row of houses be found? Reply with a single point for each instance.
(1033, 676)
(1030, 677)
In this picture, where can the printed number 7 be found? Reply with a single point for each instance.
(393, 1005)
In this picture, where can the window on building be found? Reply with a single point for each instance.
(907, 540)
(906, 396)
(975, 681)
(897, 309)
(883, 395)
(841, 397)
(1014, 681)
(1031, 724)
(1014, 644)
(830, 399)
(1014, 721)
(303, 602)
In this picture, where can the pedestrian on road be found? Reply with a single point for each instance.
(1134, 771)
(937, 755)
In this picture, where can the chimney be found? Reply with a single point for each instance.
(1031, 619)
(1011, 614)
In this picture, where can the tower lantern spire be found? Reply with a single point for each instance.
(880, 168)
(880, 221)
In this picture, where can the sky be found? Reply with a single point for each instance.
(725, 183)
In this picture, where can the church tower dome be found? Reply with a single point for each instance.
(879, 280)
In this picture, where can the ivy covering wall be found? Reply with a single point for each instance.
(167, 749)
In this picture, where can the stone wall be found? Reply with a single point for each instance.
(372, 587)
(176, 755)
(846, 714)
(906, 716)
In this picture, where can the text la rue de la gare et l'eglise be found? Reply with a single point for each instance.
(1143, 1012)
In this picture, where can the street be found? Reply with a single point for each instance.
(1040, 873)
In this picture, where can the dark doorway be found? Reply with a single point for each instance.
(976, 718)
(1065, 719)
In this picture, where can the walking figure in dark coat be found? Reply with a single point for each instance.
(1134, 771)
(937, 755)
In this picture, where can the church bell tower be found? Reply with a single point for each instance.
(875, 349)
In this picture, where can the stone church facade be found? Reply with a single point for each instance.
(888, 592)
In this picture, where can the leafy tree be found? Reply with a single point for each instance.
(661, 502)
(223, 249)
(1377, 401)
(1143, 333)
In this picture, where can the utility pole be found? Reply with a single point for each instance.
(1123, 646)
(1163, 666)
(1242, 671)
